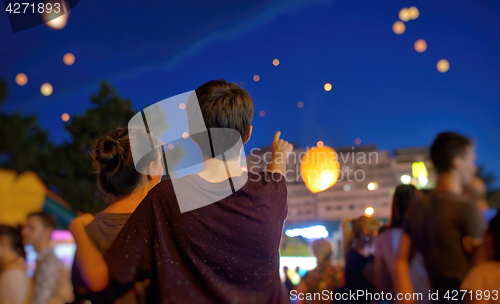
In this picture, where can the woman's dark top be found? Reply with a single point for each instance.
(224, 252)
(355, 279)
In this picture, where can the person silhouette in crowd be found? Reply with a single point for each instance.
(126, 187)
(14, 283)
(483, 281)
(387, 246)
(324, 277)
(445, 226)
(51, 281)
(358, 238)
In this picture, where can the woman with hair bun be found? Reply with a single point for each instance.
(119, 178)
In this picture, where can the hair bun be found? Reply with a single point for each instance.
(107, 154)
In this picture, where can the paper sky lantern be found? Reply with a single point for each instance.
(398, 27)
(320, 168)
(443, 66)
(420, 45)
(21, 79)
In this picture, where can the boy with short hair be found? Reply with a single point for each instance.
(224, 252)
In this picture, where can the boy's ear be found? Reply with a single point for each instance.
(249, 134)
(456, 163)
(151, 171)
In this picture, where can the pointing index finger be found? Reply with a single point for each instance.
(277, 135)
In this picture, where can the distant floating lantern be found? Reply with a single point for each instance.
(256, 78)
(300, 104)
(413, 12)
(276, 62)
(420, 45)
(320, 168)
(398, 27)
(404, 14)
(46, 89)
(68, 59)
(328, 87)
(56, 23)
(21, 79)
(443, 66)
(65, 117)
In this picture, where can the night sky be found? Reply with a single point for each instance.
(384, 92)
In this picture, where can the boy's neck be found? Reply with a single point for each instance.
(215, 170)
(449, 182)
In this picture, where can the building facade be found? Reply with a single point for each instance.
(367, 178)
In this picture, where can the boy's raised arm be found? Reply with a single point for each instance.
(280, 149)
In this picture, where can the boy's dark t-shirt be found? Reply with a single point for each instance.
(437, 225)
(226, 252)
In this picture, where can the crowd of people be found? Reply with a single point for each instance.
(143, 249)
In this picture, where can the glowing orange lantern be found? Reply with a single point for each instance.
(319, 168)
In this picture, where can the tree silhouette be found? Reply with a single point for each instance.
(67, 168)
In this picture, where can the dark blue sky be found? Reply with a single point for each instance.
(383, 92)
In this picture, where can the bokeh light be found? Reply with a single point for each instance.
(406, 179)
(46, 89)
(369, 211)
(398, 27)
(404, 14)
(357, 141)
(414, 12)
(57, 23)
(443, 66)
(276, 62)
(65, 117)
(182, 106)
(256, 78)
(420, 45)
(21, 79)
(372, 186)
(185, 135)
(170, 146)
(262, 113)
(320, 144)
(300, 104)
(69, 59)
(328, 87)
